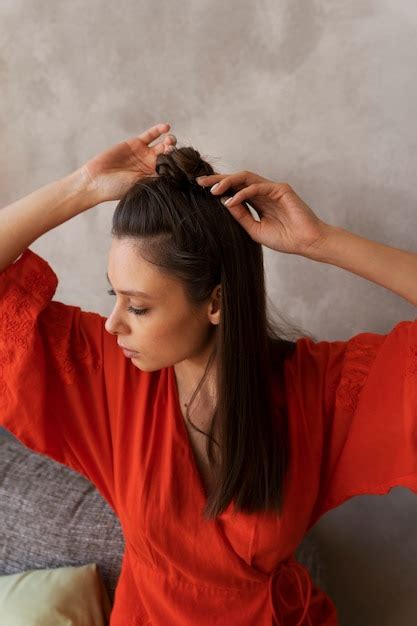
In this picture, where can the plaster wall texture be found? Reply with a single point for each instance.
(321, 94)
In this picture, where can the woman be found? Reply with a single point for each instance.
(218, 443)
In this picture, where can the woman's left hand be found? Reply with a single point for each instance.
(287, 223)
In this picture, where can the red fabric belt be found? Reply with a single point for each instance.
(290, 568)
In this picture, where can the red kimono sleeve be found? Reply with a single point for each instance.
(359, 400)
(52, 380)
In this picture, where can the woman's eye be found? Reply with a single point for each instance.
(137, 311)
(111, 292)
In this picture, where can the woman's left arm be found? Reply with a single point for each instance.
(287, 224)
(389, 267)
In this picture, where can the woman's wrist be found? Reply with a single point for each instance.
(392, 268)
(77, 185)
(30, 217)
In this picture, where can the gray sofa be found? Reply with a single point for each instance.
(51, 516)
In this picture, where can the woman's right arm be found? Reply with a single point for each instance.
(107, 176)
(25, 220)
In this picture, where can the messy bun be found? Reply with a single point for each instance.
(183, 165)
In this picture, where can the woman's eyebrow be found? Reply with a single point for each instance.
(133, 292)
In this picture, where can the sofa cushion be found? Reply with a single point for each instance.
(46, 597)
(51, 516)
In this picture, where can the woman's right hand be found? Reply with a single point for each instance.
(113, 172)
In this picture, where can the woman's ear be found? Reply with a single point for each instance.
(215, 305)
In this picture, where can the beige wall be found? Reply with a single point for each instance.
(318, 93)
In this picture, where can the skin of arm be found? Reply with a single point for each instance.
(392, 268)
(107, 176)
(25, 220)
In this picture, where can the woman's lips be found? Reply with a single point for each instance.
(129, 353)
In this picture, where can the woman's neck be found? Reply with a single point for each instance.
(189, 374)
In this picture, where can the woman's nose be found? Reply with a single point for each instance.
(112, 325)
(108, 326)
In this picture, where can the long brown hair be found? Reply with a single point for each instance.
(187, 232)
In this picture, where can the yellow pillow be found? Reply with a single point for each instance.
(65, 596)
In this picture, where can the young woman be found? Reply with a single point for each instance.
(216, 441)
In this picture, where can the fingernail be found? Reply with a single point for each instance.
(226, 199)
(199, 178)
(214, 187)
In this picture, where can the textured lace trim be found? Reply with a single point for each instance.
(18, 317)
(16, 313)
(68, 356)
(39, 285)
(359, 356)
(16, 327)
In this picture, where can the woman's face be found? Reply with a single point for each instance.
(160, 325)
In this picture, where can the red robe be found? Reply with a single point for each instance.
(68, 392)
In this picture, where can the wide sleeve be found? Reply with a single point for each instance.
(358, 399)
(53, 393)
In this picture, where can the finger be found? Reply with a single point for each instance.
(166, 146)
(237, 180)
(171, 139)
(154, 132)
(245, 219)
(161, 148)
(170, 143)
(256, 189)
(204, 181)
(215, 180)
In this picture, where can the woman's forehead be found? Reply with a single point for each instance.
(130, 274)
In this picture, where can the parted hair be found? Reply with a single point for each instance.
(189, 234)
